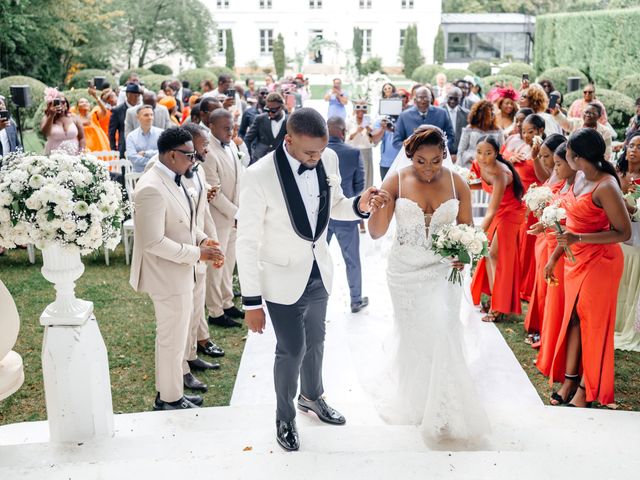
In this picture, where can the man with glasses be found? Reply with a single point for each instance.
(250, 114)
(457, 115)
(167, 246)
(588, 96)
(268, 129)
(591, 116)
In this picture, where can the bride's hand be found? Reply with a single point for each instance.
(457, 264)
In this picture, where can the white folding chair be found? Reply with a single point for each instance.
(130, 180)
(107, 156)
(120, 165)
(31, 253)
(479, 204)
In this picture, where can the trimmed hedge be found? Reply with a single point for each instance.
(426, 73)
(124, 76)
(620, 107)
(37, 95)
(454, 74)
(161, 69)
(153, 82)
(83, 77)
(558, 76)
(217, 71)
(504, 80)
(197, 75)
(480, 68)
(629, 85)
(517, 69)
(603, 44)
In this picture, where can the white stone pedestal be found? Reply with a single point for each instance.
(74, 357)
(11, 368)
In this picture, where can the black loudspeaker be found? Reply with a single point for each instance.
(573, 84)
(21, 95)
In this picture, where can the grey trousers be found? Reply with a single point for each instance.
(300, 331)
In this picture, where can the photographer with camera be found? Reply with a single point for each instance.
(337, 99)
(391, 104)
(360, 135)
(61, 128)
(9, 141)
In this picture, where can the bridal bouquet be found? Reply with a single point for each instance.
(466, 243)
(537, 198)
(470, 177)
(64, 199)
(552, 216)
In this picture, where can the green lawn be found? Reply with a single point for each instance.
(127, 324)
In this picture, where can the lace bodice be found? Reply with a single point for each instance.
(411, 225)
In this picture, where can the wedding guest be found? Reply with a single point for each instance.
(206, 86)
(352, 174)
(167, 246)
(597, 220)
(134, 79)
(337, 99)
(507, 109)
(591, 115)
(9, 141)
(142, 143)
(536, 99)
(634, 123)
(547, 86)
(459, 117)
(160, 114)
(172, 106)
(60, 127)
(588, 96)
(269, 83)
(95, 138)
(359, 135)
(482, 122)
(101, 113)
(440, 86)
(223, 168)
(498, 275)
(514, 145)
(388, 90)
(251, 113)
(268, 129)
(251, 88)
(117, 138)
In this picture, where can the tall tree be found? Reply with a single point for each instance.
(230, 53)
(357, 48)
(411, 56)
(279, 59)
(438, 47)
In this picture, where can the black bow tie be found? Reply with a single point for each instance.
(303, 168)
(224, 144)
(178, 179)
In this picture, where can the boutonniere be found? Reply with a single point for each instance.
(192, 192)
(333, 180)
(240, 155)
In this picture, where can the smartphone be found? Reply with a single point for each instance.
(56, 102)
(290, 101)
(231, 93)
(99, 82)
(4, 115)
(553, 100)
(366, 120)
(525, 77)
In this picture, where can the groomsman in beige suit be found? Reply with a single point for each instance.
(223, 168)
(167, 247)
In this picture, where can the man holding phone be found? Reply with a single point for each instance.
(9, 141)
(337, 99)
(359, 135)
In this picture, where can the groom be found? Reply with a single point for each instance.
(286, 200)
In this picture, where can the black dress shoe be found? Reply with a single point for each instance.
(223, 321)
(357, 306)
(211, 349)
(322, 410)
(287, 435)
(181, 404)
(192, 383)
(237, 294)
(195, 399)
(233, 312)
(199, 364)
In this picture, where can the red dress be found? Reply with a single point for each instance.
(528, 247)
(505, 297)
(591, 287)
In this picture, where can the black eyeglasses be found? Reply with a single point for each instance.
(272, 110)
(190, 155)
(264, 94)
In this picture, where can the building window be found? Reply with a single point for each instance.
(266, 42)
(315, 4)
(403, 34)
(222, 41)
(486, 45)
(407, 3)
(223, 3)
(366, 42)
(265, 4)
(365, 3)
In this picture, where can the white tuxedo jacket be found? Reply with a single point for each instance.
(275, 247)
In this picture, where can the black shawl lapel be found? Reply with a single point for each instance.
(292, 197)
(324, 209)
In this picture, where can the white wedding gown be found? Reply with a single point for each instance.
(431, 383)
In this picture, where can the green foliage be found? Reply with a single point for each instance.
(161, 69)
(37, 94)
(603, 44)
(197, 75)
(558, 76)
(217, 71)
(426, 73)
(620, 107)
(480, 68)
(279, 59)
(357, 49)
(517, 69)
(454, 74)
(142, 72)
(438, 47)
(411, 56)
(230, 52)
(82, 78)
(531, 7)
(629, 85)
(501, 80)
(372, 65)
(153, 82)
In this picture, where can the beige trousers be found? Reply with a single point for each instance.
(197, 318)
(220, 280)
(173, 313)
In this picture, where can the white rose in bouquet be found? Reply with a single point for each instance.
(466, 238)
(467, 247)
(537, 198)
(476, 247)
(455, 234)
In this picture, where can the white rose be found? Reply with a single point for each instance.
(68, 226)
(476, 247)
(466, 238)
(33, 202)
(455, 234)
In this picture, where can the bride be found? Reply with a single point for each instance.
(433, 387)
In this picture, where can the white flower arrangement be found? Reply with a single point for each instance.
(552, 217)
(537, 198)
(333, 180)
(466, 243)
(64, 199)
(470, 177)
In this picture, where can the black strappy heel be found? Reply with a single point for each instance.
(556, 397)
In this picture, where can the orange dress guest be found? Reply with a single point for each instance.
(101, 114)
(95, 138)
(597, 220)
(498, 274)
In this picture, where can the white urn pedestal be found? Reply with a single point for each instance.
(74, 357)
(11, 368)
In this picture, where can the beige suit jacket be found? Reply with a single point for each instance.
(220, 169)
(166, 238)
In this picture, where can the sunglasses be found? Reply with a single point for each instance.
(272, 110)
(190, 155)
(360, 107)
(264, 94)
(588, 91)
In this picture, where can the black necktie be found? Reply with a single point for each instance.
(303, 168)
(178, 179)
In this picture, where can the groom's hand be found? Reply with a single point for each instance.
(365, 199)
(255, 320)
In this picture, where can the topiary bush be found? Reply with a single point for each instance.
(517, 69)
(37, 95)
(480, 68)
(620, 107)
(629, 85)
(197, 75)
(153, 82)
(373, 65)
(82, 78)
(124, 76)
(222, 70)
(558, 76)
(161, 69)
(426, 73)
(502, 80)
(454, 74)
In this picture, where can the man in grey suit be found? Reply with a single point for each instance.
(458, 115)
(160, 114)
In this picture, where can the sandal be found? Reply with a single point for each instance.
(485, 307)
(586, 405)
(557, 398)
(493, 317)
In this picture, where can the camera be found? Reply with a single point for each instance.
(4, 115)
(56, 102)
(231, 93)
(391, 122)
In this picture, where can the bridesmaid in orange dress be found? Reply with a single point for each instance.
(498, 274)
(543, 163)
(597, 220)
(533, 126)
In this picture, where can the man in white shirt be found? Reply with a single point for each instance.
(458, 116)
(268, 129)
(142, 143)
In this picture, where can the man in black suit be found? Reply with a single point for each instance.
(352, 174)
(118, 117)
(9, 141)
(250, 114)
(458, 115)
(268, 129)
